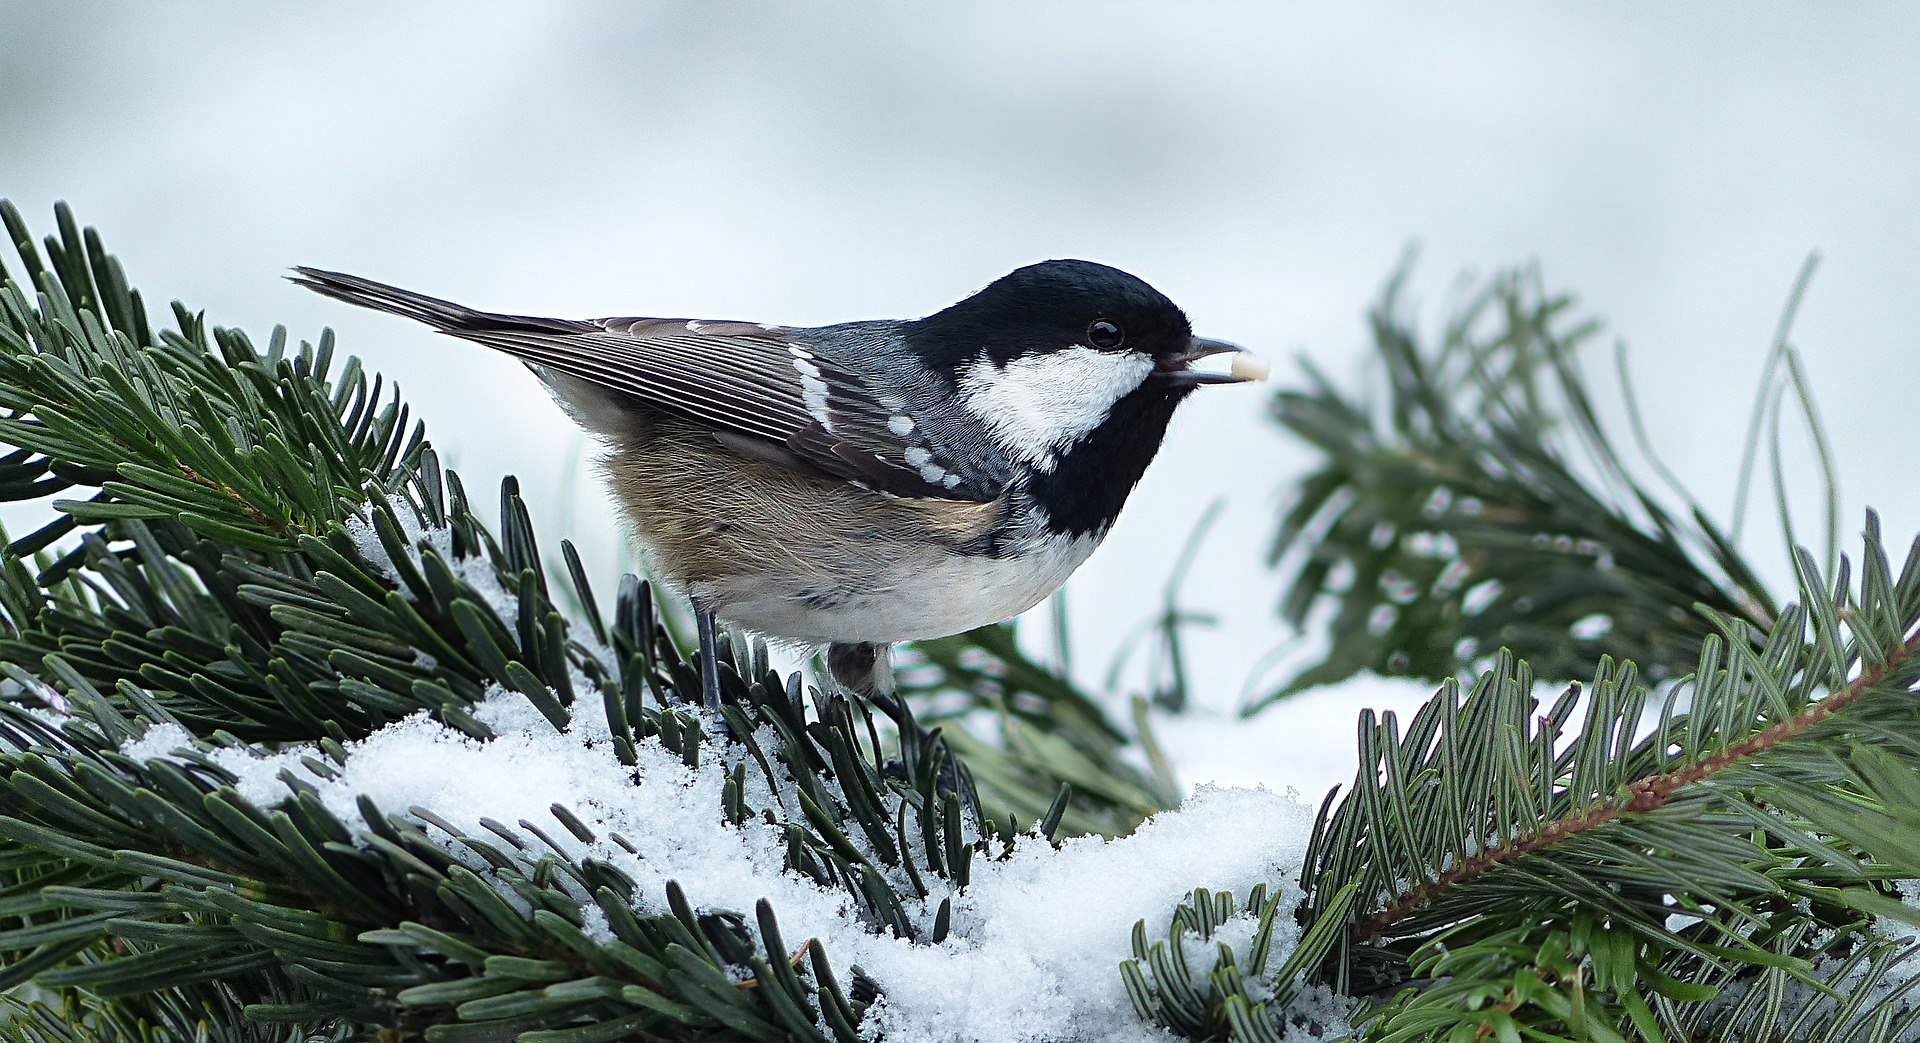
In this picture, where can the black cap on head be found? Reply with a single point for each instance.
(1053, 305)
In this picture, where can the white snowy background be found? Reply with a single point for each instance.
(1265, 164)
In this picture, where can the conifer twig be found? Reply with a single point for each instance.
(1644, 794)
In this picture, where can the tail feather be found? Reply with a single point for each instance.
(444, 316)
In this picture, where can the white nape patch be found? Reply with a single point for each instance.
(693, 325)
(813, 390)
(900, 425)
(1040, 404)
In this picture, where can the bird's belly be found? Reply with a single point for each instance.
(815, 560)
(944, 593)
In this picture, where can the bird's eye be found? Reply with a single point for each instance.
(1105, 334)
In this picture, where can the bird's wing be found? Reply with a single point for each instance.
(744, 380)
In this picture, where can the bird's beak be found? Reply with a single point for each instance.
(1178, 369)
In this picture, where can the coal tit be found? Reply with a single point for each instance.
(865, 483)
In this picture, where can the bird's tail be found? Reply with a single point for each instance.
(445, 316)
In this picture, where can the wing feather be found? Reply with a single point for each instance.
(786, 386)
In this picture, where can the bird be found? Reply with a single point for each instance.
(865, 483)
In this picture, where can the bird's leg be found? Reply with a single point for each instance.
(709, 658)
(866, 670)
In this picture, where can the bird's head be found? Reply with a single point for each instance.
(1072, 366)
(1076, 309)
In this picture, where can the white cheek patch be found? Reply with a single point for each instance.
(1041, 404)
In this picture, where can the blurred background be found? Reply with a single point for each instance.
(1264, 164)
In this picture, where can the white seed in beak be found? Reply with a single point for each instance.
(1248, 366)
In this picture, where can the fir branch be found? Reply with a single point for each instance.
(1642, 795)
(1453, 519)
(1483, 821)
(1492, 823)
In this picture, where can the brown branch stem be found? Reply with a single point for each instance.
(1644, 794)
(259, 516)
